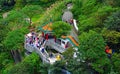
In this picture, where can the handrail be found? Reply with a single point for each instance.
(31, 48)
(56, 46)
(44, 56)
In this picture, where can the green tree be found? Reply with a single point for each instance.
(111, 36)
(15, 39)
(15, 20)
(68, 54)
(57, 67)
(43, 68)
(61, 28)
(115, 62)
(92, 47)
(6, 4)
(32, 10)
(111, 32)
(113, 2)
(74, 65)
(113, 21)
(5, 60)
(3, 31)
(19, 4)
(77, 4)
(28, 66)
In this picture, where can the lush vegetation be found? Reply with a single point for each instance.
(64, 28)
(98, 22)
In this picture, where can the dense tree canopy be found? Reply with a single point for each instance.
(27, 66)
(115, 62)
(6, 4)
(63, 27)
(15, 39)
(15, 19)
(98, 22)
(113, 22)
(92, 47)
(32, 10)
(111, 32)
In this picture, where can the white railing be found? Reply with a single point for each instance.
(29, 47)
(56, 46)
(44, 56)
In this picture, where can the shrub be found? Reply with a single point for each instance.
(113, 22)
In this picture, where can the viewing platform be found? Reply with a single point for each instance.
(41, 51)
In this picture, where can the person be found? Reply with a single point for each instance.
(30, 41)
(42, 49)
(43, 40)
(39, 43)
(71, 21)
(51, 55)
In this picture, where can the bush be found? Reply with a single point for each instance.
(88, 6)
(111, 36)
(113, 3)
(15, 39)
(113, 22)
(27, 66)
(54, 13)
(64, 28)
(92, 49)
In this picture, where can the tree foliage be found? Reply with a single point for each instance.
(5, 60)
(115, 62)
(31, 10)
(57, 67)
(15, 20)
(113, 22)
(61, 28)
(113, 3)
(92, 47)
(111, 32)
(27, 66)
(15, 39)
(111, 36)
(6, 4)
(68, 54)
(90, 14)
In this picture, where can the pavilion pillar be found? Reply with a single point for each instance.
(46, 36)
(42, 34)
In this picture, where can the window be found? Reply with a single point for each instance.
(58, 41)
(63, 42)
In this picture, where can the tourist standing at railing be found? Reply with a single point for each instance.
(30, 40)
(42, 49)
(39, 43)
(26, 39)
(42, 40)
(36, 42)
(34, 36)
(51, 55)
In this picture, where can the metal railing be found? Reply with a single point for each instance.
(44, 56)
(29, 47)
(55, 45)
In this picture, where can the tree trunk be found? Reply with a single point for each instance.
(16, 56)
